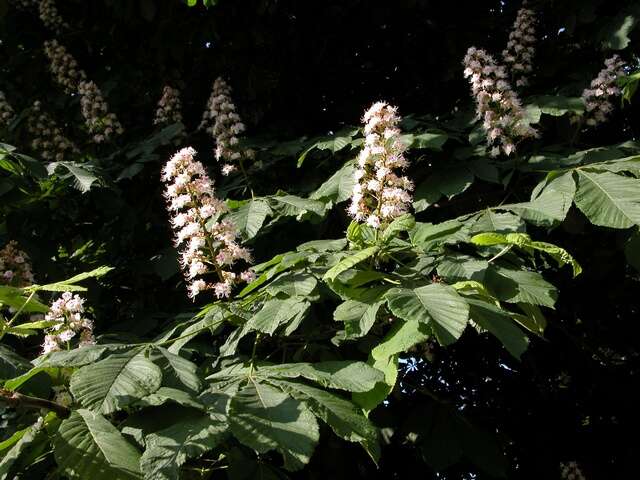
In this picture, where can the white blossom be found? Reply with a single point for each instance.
(67, 313)
(497, 105)
(48, 140)
(7, 113)
(101, 123)
(51, 18)
(63, 66)
(15, 266)
(571, 471)
(209, 247)
(518, 56)
(169, 111)
(224, 125)
(603, 89)
(380, 195)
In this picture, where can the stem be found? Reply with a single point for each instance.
(246, 177)
(16, 399)
(500, 253)
(253, 355)
(6, 325)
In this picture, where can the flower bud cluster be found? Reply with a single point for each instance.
(104, 125)
(51, 18)
(63, 66)
(227, 125)
(497, 105)
(6, 111)
(209, 247)
(48, 139)
(169, 110)
(15, 267)
(380, 195)
(571, 471)
(68, 314)
(518, 56)
(597, 98)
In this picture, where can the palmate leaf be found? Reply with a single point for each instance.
(18, 444)
(359, 315)
(250, 216)
(116, 381)
(264, 418)
(438, 305)
(350, 261)
(293, 284)
(293, 205)
(517, 286)
(11, 364)
(168, 449)
(346, 375)
(88, 446)
(344, 418)
(184, 370)
(607, 199)
(338, 187)
(500, 324)
(70, 284)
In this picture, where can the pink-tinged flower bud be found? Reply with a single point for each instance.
(597, 99)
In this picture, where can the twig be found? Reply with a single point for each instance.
(16, 399)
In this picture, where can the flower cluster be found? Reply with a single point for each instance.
(25, 4)
(100, 122)
(519, 52)
(51, 18)
(206, 250)
(226, 126)
(63, 66)
(380, 195)
(62, 396)
(597, 99)
(6, 111)
(15, 268)
(170, 110)
(48, 139)
(571, 471)
(497, 105)
(68, 314)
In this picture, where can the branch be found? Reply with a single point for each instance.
(16, 399)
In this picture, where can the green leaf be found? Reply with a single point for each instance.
(69, 284)
(615, 33)
(23, 440)
(438, 305)
(276, 312)
(171, 447)
(607, 199)
(401, 337)
(296, 284)
(83, 177)
(264, 418)
(449, 182)
(15, 298)
(520, 286)
(403, 223)
(556, 105)
(429, 236)
(499, 323)
(344, 418)
(293, 205)
(492, 221)
(350, 261)
(87, 446)
(359, 315)
(12, 364)
(338, 187)
(250, 216)
(118, 380)
(182, 368)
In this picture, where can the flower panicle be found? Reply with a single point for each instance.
(48, 140)
(63, 66)
(15, 266)
(169, 110)
(208, 246)
(380, 194)
(225, 125)
(7, 114)
(497, 105)
(597, 98)
(70, 321)
(100, 122)
(518, 56)
(50, 16)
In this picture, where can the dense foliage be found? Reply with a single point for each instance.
(278, 239)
